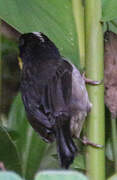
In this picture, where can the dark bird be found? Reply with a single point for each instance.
(53, 93)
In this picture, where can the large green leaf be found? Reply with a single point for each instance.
(57, 175)
(7, 175)
(109, 150)
(50, 158)
(109, 10)
(54, 18)
(29, 145)
(79, 162)
(114, 177)
(8, 152)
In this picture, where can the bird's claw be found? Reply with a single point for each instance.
(89, 81)
(85, 141)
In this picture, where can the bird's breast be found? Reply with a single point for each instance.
(80, 104)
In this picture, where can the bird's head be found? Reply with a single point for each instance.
(37, 46)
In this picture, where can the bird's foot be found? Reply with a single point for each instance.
(85, 141)
(89, 81)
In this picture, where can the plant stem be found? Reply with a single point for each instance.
(0, 74)
(114, 140)
(78, 11)
(95, 71)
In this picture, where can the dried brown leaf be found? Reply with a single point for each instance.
(110, 72)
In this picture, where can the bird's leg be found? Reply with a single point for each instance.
(89, 81)
(85, 141)
(2, 167)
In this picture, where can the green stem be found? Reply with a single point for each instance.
(95, 71)
(78, 11)
(0, 74)
(114, 140)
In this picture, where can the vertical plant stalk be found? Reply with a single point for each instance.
(114, 140)
(95, 71)
(78, 11)
(0, 74)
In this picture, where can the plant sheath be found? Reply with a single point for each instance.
(95, 71)
(0, 72)
(78, 11)
(114, 140)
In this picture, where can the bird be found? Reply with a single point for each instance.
(54, 94)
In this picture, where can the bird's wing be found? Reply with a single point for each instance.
(60, 99)
(60, 88)
(47, 95)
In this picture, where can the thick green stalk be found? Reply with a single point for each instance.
(0, 74)
(95, 71)
(78, 11)
(114, 140)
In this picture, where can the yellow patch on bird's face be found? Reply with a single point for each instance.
(20, 63)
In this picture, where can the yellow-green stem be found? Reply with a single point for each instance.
(95, 71)
(114, 140)
(78, 11)
(0, 74)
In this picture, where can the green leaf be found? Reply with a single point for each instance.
(57, 175)
(31, 148)
(114, 177)
(8, 152)
(109, 151)
(8, 46)
(54, 18)
(79, 162)
(109, 10)
(49, 161)
(113, 26)
(5, 175)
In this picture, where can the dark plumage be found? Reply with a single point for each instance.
(54, 94)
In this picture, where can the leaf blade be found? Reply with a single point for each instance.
(54, 18)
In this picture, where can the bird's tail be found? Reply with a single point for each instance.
(65, 145)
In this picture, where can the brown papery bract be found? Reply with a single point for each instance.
(110, 72)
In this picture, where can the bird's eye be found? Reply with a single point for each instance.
(21, 42)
